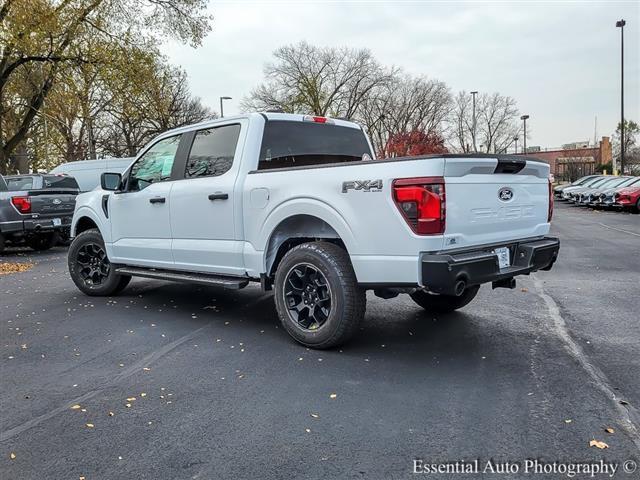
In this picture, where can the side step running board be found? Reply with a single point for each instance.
(233, 283)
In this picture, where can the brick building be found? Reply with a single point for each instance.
(571, 163)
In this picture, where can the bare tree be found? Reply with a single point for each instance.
(318, 80)
(405, 105)
(496, 123)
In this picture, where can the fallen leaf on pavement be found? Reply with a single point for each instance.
(143, 394)
(333, 396)
(90, 425)
(146, 369)
(12, 267)
(598, 444)
(12, 456)
(609, 430)
(568, 421)
(524, 289)
(111, 414)
(76, 407)
(315, 415)
(131, 399)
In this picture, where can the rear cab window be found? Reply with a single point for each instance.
(3, 184)
(287, 144)
(15, 184)
(59, 181)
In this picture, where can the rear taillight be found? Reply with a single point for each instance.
(22, 204)
(550, 202)
(422, 203)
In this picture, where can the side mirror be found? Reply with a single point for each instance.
(110, 181)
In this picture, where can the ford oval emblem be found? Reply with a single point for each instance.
(57, 201)
(505, 194)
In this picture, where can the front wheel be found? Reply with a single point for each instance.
(90, 268)
(318, 299)
(444, 303)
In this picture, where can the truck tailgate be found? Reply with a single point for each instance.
(491, 201)
(52, 202)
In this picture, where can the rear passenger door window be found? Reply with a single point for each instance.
(212, 151)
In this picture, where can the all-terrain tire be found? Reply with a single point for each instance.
(347, 299)
(79, 261)
(444, 303)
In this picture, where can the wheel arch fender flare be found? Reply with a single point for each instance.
(302, 218)
(85, 214)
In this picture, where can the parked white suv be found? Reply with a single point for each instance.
(298, 203)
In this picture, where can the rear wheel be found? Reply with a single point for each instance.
(1, 243)
(444, 303)
(317, 296)
(90, 268)
(43, 241)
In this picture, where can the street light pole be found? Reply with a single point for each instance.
(524, 140)
(515, 139)
(222, 107)
(620, 24)
(473, 94)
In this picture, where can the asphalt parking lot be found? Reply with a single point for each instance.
(532, 373)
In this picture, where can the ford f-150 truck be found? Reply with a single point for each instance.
(36, 210)
(299, 204)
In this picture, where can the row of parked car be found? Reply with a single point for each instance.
(602, 191)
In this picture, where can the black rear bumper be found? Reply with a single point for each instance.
(35, 225)
(448, 273)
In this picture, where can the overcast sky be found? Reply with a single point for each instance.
(559, 60)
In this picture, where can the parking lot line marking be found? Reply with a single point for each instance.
(628, 413)
(619, 230)
(135, 368)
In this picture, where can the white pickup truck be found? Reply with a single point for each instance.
(298, 204)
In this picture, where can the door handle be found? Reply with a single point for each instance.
(157, 200)
(219, 196)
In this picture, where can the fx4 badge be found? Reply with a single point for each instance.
(364, 185)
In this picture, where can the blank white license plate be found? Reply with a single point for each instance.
(57, 222)
(503, 257)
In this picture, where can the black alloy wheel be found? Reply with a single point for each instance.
(307, 296)
(94, 264)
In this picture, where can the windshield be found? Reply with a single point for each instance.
(634, 183)
(596, 182)
(614, 182)
(294, 144)
(583, 180)
(629, 181)
(19, 183)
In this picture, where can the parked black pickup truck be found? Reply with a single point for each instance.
(36, 210)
